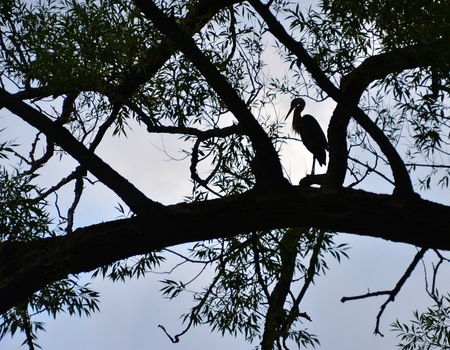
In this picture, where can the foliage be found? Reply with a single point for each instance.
(397, 23)
(79, 40)
(62, 296)
(123, 270)
(429, 330)
(21, 216)
(247, 269)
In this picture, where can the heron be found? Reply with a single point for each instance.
(310, 131)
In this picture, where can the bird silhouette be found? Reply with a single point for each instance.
(310, 131)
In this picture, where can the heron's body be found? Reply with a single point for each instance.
(310, 131)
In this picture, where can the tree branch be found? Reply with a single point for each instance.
(380, 66)
(392, 293)
(398, 287)
(266, 155)
(26, 267)
(297, 49)
(197, 17)
(135, 199)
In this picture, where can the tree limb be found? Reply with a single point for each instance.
(352, 86)
(135, 199)
(278, 31)
(26, 267)
(380, 66)
(266, 155)
(200, 14)
(276, 315)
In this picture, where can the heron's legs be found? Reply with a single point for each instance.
(313, 166)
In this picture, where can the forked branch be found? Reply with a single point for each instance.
(392, 293)
(266, 155)
(134, 198)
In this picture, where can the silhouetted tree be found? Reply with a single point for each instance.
(84, 73)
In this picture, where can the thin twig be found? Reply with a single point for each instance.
(428, 165)
(261, 281)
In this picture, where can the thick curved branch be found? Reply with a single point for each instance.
(28, 266)
(266, 155)
(135, 199)
(380, 66)
(193, 168)
(352, 86)
(201, 135)
(376, 68)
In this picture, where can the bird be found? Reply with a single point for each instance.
(310, 131)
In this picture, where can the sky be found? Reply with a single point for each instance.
(131, 312)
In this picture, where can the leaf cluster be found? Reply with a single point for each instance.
(22, 218)
(428, 330)
(62, 296)
(130, 268)
(46, 42)
(395, 23)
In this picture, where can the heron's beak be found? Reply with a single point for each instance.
(290, 111)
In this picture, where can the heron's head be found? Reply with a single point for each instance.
(296, 103)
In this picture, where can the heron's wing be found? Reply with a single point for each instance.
(314, 138)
